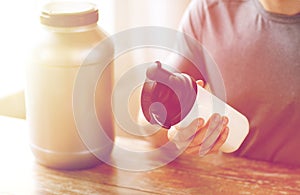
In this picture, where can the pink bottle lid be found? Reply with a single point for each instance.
(167, 97)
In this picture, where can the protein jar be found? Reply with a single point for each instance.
(68, 35)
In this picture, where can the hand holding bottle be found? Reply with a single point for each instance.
(174, 100)
(200, 137)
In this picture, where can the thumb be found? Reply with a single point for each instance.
(200, 82)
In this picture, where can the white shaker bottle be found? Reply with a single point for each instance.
(170, 99)
(68, 34)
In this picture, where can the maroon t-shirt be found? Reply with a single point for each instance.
(258, 56)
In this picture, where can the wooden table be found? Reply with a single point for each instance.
(214, 174)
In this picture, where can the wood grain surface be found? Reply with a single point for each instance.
(213, 174)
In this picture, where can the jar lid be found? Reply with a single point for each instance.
(69, 14)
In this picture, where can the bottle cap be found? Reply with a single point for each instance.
(69, 14)
(167, 97)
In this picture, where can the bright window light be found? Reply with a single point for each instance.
(18, 19)
(15, 19)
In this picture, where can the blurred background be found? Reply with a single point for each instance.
(19, 18)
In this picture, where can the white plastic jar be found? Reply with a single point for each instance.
(69, 32)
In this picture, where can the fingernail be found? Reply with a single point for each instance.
(200, 122)
(225, 120)
(217, 118)
(215, 121)
(227, 130)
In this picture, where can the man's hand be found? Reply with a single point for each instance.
(199, 137)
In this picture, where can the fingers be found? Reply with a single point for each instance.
(210, 131)
(221, 140)
(183, 134)
(201, 139)
(210, 137)
(181, 137)
(215, 128)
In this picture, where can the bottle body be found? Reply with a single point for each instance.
(207, 104)
(52, 73)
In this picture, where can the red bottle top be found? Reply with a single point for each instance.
(167, 97)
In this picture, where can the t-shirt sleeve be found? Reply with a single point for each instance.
(191, 61)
